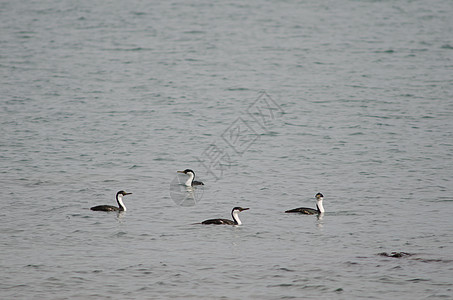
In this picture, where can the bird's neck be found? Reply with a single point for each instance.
(189, 181)
(319, 206)
(235, 215)
(121, 205)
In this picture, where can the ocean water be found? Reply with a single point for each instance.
(269, 102)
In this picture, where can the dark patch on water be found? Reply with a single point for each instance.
(395, 254)
(447, 46)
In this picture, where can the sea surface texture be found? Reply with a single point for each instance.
(269, 102)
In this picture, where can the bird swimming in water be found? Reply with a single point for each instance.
(234, 213)
(119, 199)
(191, 181)
(310, 211)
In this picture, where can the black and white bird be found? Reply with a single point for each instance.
(234, 213)
(190, 181)
(310, 211)
(119, 199)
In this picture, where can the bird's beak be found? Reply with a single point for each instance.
(127, 193)
(245, 208)
(179, 171)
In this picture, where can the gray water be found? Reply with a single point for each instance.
(269, 102)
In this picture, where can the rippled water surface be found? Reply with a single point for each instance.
(269, 102)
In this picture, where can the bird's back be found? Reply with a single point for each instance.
(218, 222)
(303, 210)
(105, 208)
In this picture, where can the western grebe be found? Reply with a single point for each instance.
(119, 199)
(234, 213)
(310, 211)
(191, 181)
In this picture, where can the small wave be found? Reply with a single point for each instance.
(447, 46)
(237, 89)
(385, 51)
